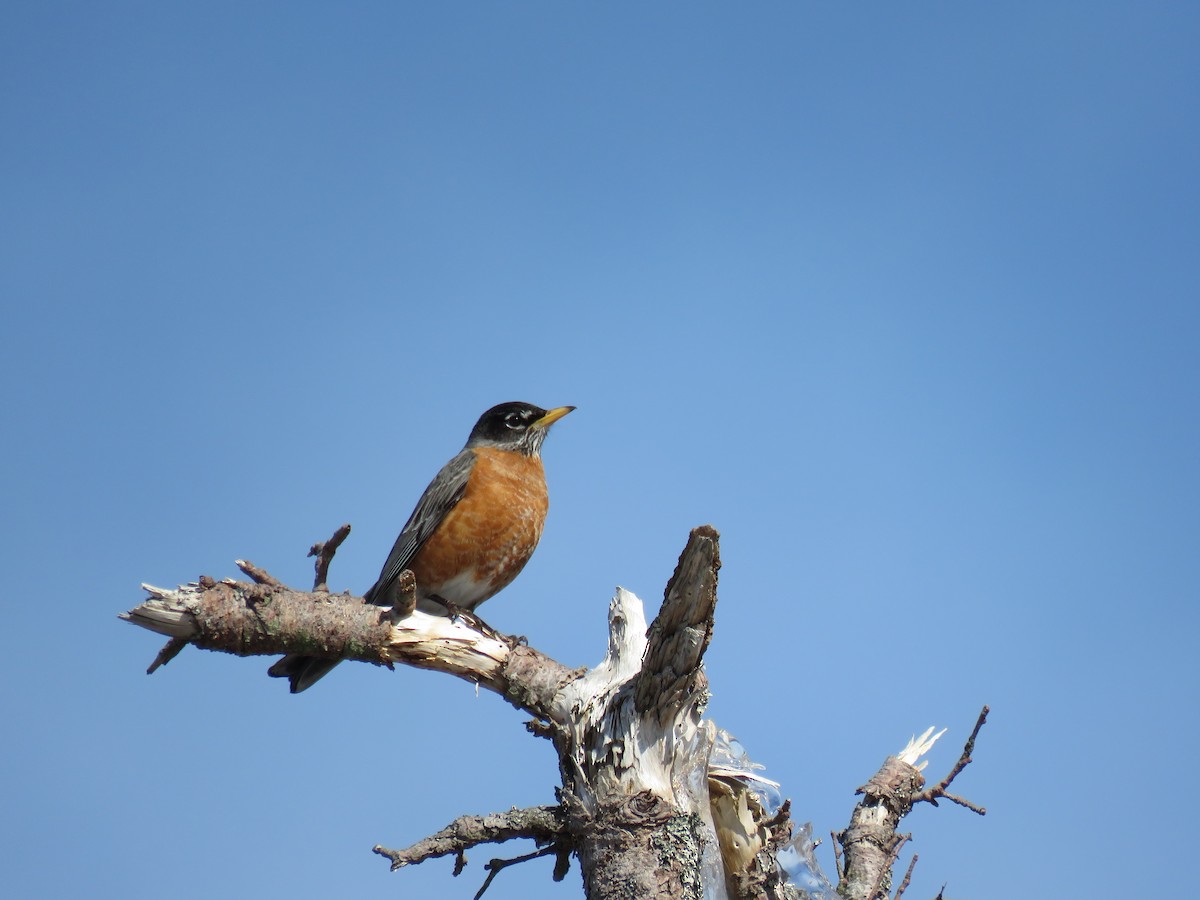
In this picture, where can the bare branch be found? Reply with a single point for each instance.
(871, 837)
(539, 823)
(871, 844)
(496, 866)
(260, 576)
(170, 650)
(406, 597)
(912, 864)
(324, 552)
(264, 619)
(931, 795)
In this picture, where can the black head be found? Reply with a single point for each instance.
(515, 426)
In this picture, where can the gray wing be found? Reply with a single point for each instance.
(439, 498)
(443, 493)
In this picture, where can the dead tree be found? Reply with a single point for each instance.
(645, 804)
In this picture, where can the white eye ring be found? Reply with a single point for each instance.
(514, 420)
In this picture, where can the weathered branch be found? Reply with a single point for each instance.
(170, 650)
(324, 552)
(250, 619)
(676, 641)
(542, 824)
(267, 619)
(912, 864)
(496, 866)
(871, 844)
(930, 795)
(259, 576)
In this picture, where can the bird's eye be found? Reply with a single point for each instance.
(514, 420)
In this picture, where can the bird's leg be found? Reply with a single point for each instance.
(456, 613)
(453, 610)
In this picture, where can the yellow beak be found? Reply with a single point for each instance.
(552, 416)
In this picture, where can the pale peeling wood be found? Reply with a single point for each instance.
(636, 754)
(751, 833)
(167, 612)
(449, 645)
(635, 714)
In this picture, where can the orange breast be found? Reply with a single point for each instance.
(491, 533)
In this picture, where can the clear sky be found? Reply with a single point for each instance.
(902, 298)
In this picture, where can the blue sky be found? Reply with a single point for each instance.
(901, 298)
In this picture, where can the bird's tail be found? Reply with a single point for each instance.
(302, 671)
(305, 671)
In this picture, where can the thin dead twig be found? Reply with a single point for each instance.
(257, 575)
(931, 795)
(169, 651)
(324, 552)
(907, 877)
(496, 866)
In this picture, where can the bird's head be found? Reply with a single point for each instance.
(515, 426)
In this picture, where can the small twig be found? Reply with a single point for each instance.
(837, 856)
(941, 892)
(907, 877)
(540, 729)
(781, 816)
(496, 866)
(406, 597)
(893, 855)
(460, 862)
(261, 576)
(963, 801)
(324, 552)
(931, 795)
(169, 651)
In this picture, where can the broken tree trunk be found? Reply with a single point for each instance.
(645, 805)
(633, 749)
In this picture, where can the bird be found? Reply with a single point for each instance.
(473, 529)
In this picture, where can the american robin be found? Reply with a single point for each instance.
(473, 529)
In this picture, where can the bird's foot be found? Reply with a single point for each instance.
(459, 614)
(454, 612)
